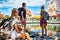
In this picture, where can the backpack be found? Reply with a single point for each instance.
(7, 22)
(46, 16)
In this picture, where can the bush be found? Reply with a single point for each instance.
(6, 16)
(27, 31)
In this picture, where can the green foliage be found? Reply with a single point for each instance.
(59, 28)
(6, 16)
(27, 31)
(0, 20)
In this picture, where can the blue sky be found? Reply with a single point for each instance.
(34, 6)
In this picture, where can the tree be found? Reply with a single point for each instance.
(6, 16)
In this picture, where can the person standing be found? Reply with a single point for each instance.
(43, 20)
(22, 14)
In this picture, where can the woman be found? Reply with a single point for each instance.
(43, 21)
(17, 32)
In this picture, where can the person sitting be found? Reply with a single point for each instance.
(16, 31)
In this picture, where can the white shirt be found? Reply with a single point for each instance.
(14, 33)
(15, 20)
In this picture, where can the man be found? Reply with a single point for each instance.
(22, 14)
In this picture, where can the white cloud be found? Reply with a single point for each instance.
(36, 2)
(10, 3)
(17, 3)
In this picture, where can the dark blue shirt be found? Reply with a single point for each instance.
(24, 12)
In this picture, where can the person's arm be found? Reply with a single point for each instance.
(41, 16)
(22, 15)
(16, 27)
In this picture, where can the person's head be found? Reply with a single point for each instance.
(14, 12)
(23, 4)
(42, 10)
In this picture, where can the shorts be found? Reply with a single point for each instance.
(14, 34)
(43, 21)
(23, 22)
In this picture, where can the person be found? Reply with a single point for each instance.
(17, 31)
(43, 20)
(22, 14)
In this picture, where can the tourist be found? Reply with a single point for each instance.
(17, 31)
(43, 20)
(22, 14)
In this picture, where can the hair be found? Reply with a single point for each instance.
(42, 7)
(14, 12)
(23, 4)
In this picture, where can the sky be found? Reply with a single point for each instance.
(33, 5)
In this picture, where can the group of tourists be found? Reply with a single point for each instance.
(19, 32)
